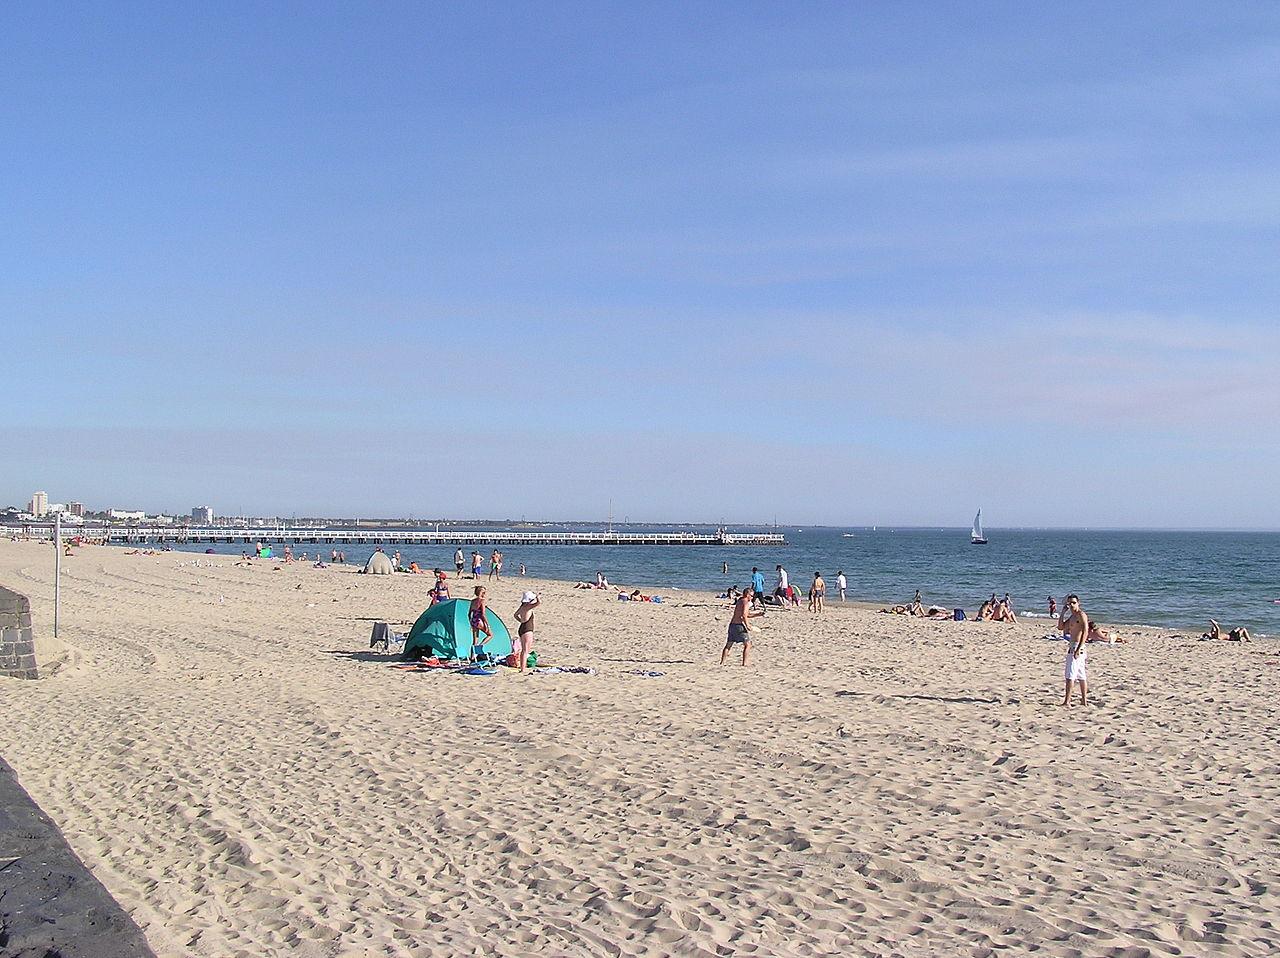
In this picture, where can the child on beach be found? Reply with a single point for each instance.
(479, 621)
(440, 591)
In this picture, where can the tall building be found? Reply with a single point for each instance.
(76, 508)
(39, 506)
(202, 515)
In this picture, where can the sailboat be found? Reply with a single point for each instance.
(976, 537)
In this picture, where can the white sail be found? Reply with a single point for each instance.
(977, 526)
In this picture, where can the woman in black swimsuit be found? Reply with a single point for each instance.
(524, 635)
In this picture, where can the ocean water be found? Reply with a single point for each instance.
(1173, 579)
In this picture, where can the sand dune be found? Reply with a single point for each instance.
(223, 752)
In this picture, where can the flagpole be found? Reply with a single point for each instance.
(57, 570)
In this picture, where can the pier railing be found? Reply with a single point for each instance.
(454, 537)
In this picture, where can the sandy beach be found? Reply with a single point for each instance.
(222, 750)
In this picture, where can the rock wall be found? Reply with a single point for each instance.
(17, 643)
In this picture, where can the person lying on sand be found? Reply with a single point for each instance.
(1098, 633)
(1215, 634)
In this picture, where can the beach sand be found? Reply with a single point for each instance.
(221, 749)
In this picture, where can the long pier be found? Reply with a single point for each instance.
(456, 537)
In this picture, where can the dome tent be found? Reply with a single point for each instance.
(444, 631)
(379, 564)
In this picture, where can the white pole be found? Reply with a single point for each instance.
(57, 570)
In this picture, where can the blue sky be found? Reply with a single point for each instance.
(843, 263)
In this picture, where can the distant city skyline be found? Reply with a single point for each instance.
(838, 264)
(198, 516)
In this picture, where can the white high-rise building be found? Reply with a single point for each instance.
(39, 506)
(203, 515)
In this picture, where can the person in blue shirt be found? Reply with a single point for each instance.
(757, 583)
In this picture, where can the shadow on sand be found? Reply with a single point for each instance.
(365, 656)
(962, 699)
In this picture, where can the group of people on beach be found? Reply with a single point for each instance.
(496, 558)
(997, 610)
(785, 594)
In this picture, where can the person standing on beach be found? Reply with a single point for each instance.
(817, 592)
(784, 583)
(524, 615)
(1053, 606)
(1075, 624)
(740, 626)
(757, 586)
(841, 584)
(477, 563)
(478, 616)
(495, 565)
(458, 562)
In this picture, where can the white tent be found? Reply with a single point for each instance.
(379, 564)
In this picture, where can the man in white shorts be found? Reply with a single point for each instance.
(1075, 624)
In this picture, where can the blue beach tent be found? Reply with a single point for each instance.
(444, 630)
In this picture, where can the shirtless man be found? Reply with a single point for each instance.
(1075, 624)
(817, 592)
(1003, 613)
(740, 625)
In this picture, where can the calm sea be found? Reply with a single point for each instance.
(1175, 579)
